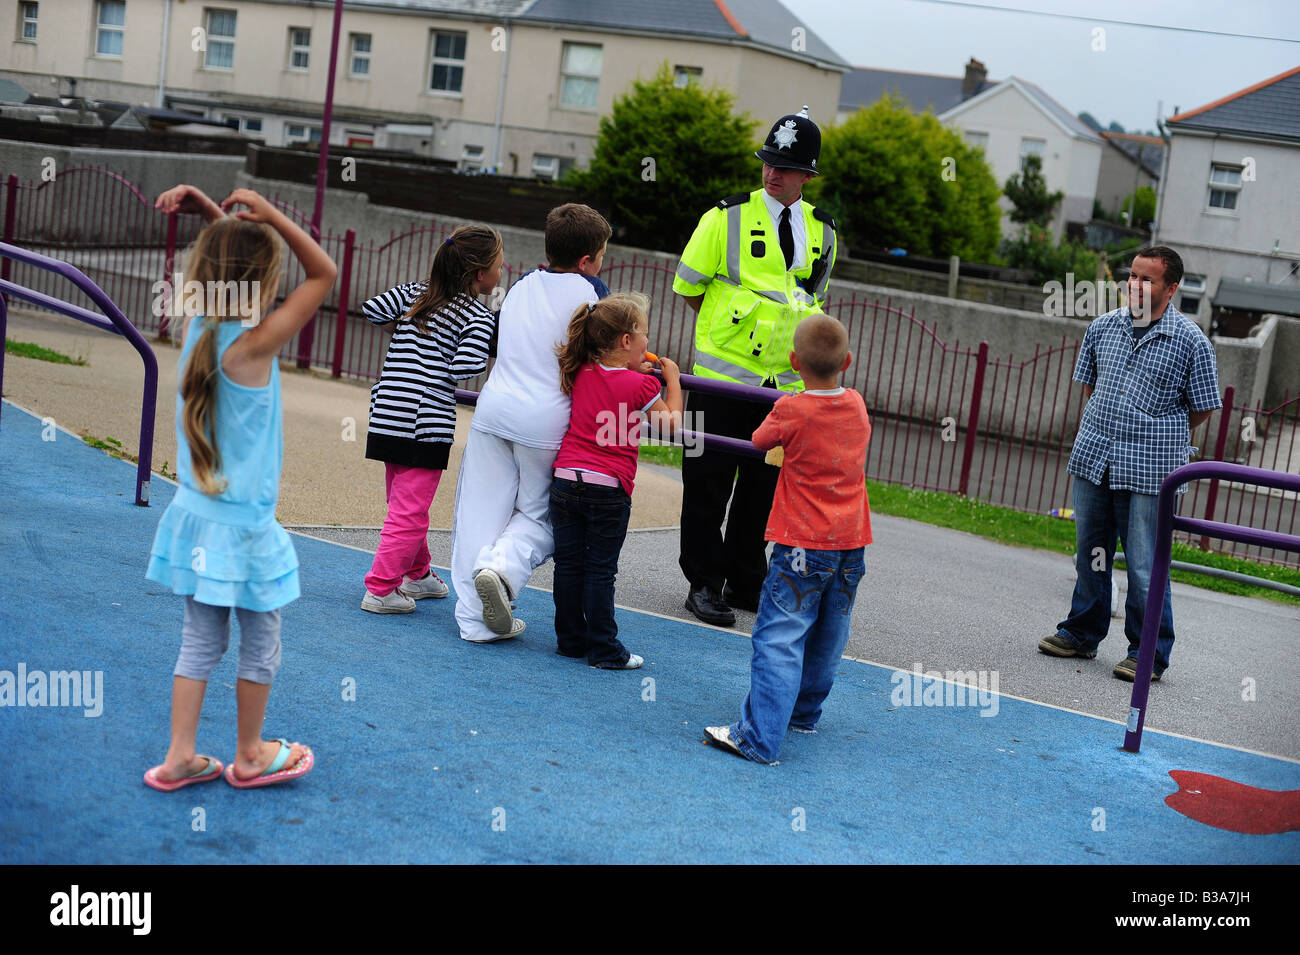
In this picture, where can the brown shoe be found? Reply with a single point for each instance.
(1127, 669)
(1059, 646)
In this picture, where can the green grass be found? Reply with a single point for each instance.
(1021, 529)
(1042, 531)
(30, 350)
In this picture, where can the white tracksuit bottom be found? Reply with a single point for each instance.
(501, 521)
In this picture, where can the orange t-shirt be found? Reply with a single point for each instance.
(821, 495)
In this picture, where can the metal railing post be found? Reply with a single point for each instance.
(1212, 496)
(973, 421)
(345, 294)
(11, 202)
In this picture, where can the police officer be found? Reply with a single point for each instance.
(757, 264)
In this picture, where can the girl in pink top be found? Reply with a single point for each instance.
(603, 367)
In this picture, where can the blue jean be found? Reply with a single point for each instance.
(800, 634)
(590, 523)
(1102, 514)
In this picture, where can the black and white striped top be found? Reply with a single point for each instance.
(413, 405)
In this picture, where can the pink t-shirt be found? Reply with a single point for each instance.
(604, 433)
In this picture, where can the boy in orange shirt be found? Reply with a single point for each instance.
(819, 524)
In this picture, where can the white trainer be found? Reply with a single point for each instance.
(517, 627)
(496, 602)
(430, 585)
(633, 661)
(396, 602)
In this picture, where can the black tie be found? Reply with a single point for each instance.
(786, 235)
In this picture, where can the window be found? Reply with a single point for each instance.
(110, 26)
(359, 61)
(247, 124)
(220, 54)
(1031, 147)
(547, 167)
(301, 133)
(471, 156)
(687, 76)
(977, 140)
(580, 75)
(299, 49)
(1191, 288)
(1225, 183)
(27, 21)
(447, 70)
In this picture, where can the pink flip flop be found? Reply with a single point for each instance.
(209, 773)
(277, 772)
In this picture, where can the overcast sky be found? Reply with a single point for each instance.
(1138, 68)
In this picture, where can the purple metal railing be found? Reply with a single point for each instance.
(117, 322)
(1166, 522)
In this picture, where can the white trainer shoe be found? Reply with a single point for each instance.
(517, 627)
(430, 585)
(496, 602)
(396, 602)
(633, 661)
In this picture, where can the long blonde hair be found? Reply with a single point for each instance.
(595, 330)
(228, 250)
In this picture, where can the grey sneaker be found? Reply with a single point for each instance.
(633, 661)
(496, 602)
(427, 586)
(396, 602)
(517, 627)
(1058, 646)
(721, 736)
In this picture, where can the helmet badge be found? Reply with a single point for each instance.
(785, 134)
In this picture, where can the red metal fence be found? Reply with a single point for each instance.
(946, 417)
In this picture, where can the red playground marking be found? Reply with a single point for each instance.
(1236, 807)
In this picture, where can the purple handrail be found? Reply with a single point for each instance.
(1166, 523)
(116, 323)
(708, 386)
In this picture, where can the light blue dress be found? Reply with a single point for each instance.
(228, 550)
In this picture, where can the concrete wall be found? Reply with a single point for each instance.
(1284, 377)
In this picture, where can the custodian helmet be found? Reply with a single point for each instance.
(794, 143)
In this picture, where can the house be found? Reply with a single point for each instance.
(516, 85)
(1229, 197)
(1129, 162)
(1008, 119)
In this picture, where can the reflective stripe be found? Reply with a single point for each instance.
(765, 293)
(688, 274)
(828, 251)
(722, 367)
(733, 242)
(787, 378)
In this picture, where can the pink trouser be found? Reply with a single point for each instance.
(404, 540)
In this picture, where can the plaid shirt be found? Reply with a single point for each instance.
(1136, 421)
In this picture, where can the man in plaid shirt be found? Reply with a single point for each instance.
(1150, 376)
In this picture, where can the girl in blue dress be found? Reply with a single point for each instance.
(218, 543)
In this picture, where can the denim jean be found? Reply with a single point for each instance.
(590, 523)
(1102, 514)
(800, 634)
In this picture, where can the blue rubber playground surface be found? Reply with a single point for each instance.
(432, 750)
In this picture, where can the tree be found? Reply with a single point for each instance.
(664, 155)
(1033, 249)
(1146, 207)
(893, 179)
(1028, 193)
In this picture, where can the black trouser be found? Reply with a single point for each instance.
(708, 558)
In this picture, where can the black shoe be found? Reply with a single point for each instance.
(705, 603)
(734, 599)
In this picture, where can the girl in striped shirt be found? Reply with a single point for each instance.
(442, 337)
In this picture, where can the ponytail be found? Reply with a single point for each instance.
(199, 397)
(459, 258)
(595, 329)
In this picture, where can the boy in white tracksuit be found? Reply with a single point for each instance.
(501, 530)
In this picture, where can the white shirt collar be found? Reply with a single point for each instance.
(774, 207)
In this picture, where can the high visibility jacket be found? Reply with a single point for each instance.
(745, 329)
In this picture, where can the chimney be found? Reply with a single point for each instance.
(976, 73)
